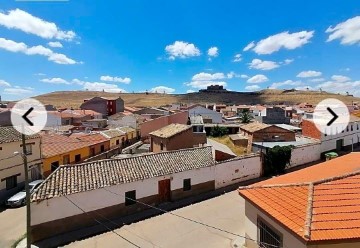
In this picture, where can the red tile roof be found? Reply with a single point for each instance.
(313, 208)
(55, 144)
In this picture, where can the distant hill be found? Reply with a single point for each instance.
(75, 98)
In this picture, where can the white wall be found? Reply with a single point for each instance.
(206, 113)
(251, 229)
(329, 142)
(237, 170)
(53, 120)
(60, 207)
(305, 154)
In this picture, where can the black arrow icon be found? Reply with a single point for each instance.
(25, 116)
(333, 114)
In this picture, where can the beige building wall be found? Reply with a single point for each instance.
(14, 165)
(289, 239)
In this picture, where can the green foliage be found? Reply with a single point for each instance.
(245, 116)
(276, 159)
(218, 131)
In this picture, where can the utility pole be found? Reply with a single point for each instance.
(27, 190)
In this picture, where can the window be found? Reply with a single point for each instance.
(11, 182)
(352, 128)
(161, 146)
(28, 149)
(187, 184)
(77, 158)
(268, 237)
(102, 148)
(92, 151)
(117, 142)
(54, 165)
(66, 159)
(347, 129)
(130, 197)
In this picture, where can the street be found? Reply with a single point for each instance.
(12, 225)
(225, 212)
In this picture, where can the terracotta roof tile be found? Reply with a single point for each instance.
(71, 179)
(331, 206)
(170, 130)
(10, 134)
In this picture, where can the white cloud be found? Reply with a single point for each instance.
(348, 32)
(252, 87)
(40, 74)
(125, 80)
(17, 90)
(263, 64)
(3, 83)
(204, 84)
(95, 86)
(288, 61)
(54, 81)
(203, 76)
(162, 89)
(21, 20)
(235, 75)
(182, 50)
(213, 52)
(285, 40)
(237, 58)
(316, 80)
(190, 91)
(307, 87)
(352, 87)
(258, 79)
(249, 46)
(55, 44)
(13, 46)
(307, 74)
(340, 78)
(244, 76)
(285, 83)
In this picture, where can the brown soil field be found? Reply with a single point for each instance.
(75, 98)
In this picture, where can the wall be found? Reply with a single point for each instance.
(237, 170)
(14, 166)
(155, 124)
(309, 129)
(206, 114)
(96, 104)
(5, 118)
(179, 141)
(119, 105)
(251, 229)
(46, 167)
(97, 147)
(57, 214)
(305, 154)
(199, 138)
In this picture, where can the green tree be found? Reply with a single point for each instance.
(245, 116)
(276, 159)
(218, 131)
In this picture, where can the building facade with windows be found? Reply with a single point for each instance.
(104, 105)
(346, 140)
(113, 188)
(12, 175)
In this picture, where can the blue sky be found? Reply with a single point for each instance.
(178, 47)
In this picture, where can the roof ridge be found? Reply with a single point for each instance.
(335, 178)
(143, 155)
(275, 185)
(309, 212)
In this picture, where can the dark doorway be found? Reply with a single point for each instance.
(339, 144)
(164, 190)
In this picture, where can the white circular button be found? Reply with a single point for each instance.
(28, 116)
(331, 116)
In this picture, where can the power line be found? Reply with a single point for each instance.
(185, 218)
(101, 223)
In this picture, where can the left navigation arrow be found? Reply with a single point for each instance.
(25, 116)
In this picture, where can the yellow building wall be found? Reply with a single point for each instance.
(113, 141)
(84, 152)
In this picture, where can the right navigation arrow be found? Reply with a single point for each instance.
(333, 114)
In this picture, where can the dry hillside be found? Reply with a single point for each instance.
(75, 98)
